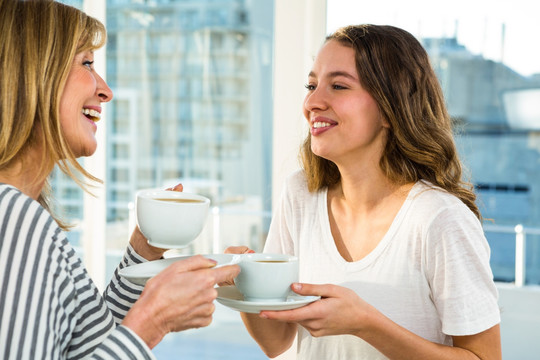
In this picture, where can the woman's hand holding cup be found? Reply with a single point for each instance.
(140, 243)
(235, 250)
(178, 298)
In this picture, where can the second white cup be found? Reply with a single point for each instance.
(266, 277)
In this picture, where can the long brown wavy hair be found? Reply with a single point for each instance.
(395, 69)
(39, 40)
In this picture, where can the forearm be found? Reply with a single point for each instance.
(274, 337)
(398, 343)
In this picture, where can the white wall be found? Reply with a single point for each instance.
(93, 232)
(520, 321)
(299, 31)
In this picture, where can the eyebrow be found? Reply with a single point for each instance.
(334, 74)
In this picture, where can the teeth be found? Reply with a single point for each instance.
(95, 115)
(320, 124)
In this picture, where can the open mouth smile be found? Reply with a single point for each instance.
(321, 124)
(92, 114)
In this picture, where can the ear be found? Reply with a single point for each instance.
(385, 123)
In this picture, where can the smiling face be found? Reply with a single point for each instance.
(345, 122)
(80, 104)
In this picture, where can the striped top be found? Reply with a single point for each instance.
(49, 306)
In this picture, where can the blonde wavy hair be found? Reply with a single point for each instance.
(39, 40)
(395, 69)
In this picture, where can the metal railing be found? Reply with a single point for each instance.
(520, 233)
(216, 238)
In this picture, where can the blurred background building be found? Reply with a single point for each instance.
(192, 83)
(496, 112)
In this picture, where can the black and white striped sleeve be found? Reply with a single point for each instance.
(49, 306)
(121, 294)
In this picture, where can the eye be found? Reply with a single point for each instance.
(338, 87)
(89, 64)
(310, 87)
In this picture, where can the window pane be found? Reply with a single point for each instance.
(490, 75)
(192, 85)
(76, 3)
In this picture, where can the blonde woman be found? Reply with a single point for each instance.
(50, 104)
(384, 227)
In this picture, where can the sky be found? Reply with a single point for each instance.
(501, 30)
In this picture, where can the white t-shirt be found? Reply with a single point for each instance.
(430, 273)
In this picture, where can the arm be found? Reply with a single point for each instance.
(121, 294)
(396, 342)
(341, 311)
(178, 298)
(273, 337)
(454, 258)
(49, 307)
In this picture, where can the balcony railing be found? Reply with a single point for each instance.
(239, 226)
(520, 237)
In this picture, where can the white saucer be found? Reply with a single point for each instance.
(139, 274)
(232, 298)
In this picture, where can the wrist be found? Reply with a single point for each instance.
(143, 324)
(139, 243)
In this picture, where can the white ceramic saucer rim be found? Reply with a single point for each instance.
(292, 302)
(137, 274)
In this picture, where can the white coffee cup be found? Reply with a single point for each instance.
(170, 219)
(266, 277)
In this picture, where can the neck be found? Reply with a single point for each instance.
(24, 178)
(364, 189)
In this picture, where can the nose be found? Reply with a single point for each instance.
(103, 90)
(315, 100)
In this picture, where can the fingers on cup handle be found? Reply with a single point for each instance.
(238, 250)
(177, 187)
(225, 275)
(195, 262)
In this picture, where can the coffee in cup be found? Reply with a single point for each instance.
(170, 219)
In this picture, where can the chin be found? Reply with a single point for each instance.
(85, 151)
(90, 152)
(318, 151)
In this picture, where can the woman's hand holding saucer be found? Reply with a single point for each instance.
(340, 311)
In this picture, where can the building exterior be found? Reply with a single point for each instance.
(192, 83)
(193, 104)
(499, 144)
(193, 98)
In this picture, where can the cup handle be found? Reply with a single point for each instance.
(236, 259)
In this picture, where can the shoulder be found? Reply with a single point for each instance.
(426, 191)
(17, 206)
(433, 201)
(24, 222)
(296, 191)
(35, 248)
(436, 212)
(296, 181)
